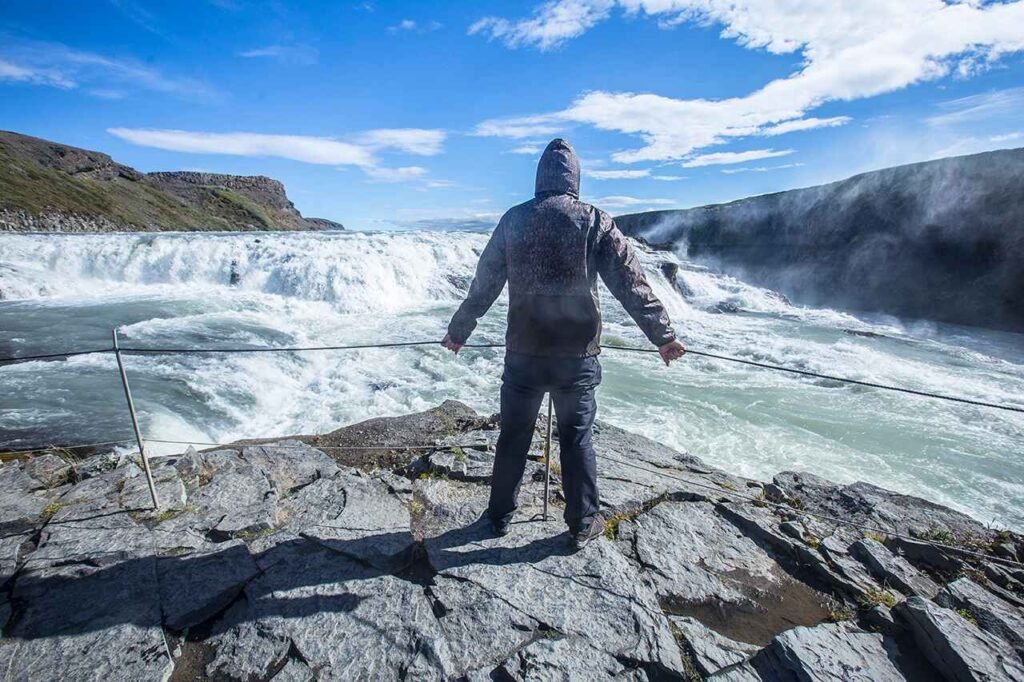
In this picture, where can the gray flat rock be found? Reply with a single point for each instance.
(290, 464)
(194, 587)
(591, 594)
(835, 652)
(566, 659)
(962, 651)
(50, 470)
(710, 651)
(992, 613)
(893, 571)
(85, 623)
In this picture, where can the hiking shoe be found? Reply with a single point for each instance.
(590, 531)
(500, 528)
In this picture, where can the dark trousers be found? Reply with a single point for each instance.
(572, 383)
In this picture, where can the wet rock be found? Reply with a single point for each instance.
(893, 570)
(710, 651)
(194, 587)
(991, 613)
(727, 306)
(48, 469)
(962, 651)
(834, 651)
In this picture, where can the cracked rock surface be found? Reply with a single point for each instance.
(312, 558)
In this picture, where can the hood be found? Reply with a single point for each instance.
(559, 170)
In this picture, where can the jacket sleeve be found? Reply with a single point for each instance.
(622, 274)
(491, 274)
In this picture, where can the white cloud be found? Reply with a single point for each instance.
(528, 149)
(668, 178)
(619, 201)
(319, 150)
(849, 50)
(419, 141)
(10, 71)
(618, 174)
(518, 127)
(57, 65)
(801, 124)
(985, 106)
(403, 174)
(552, 23)
(1007, 137)
(760, 169)
(728, 158)
(412, 26)
(291, 54)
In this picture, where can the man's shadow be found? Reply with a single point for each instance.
(101, 592)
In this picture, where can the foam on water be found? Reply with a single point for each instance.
(296, 289)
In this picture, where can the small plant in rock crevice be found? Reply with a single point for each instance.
(874, 596)
(967, 615)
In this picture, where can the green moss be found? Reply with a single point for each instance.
(968, 616)
(50, 510)
(877, 597)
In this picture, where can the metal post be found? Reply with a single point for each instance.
(547, 461)
(135, 423)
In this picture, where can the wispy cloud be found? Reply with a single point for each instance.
(413, 26)
(303, 55)
(527, 149)
(57, 65)
(419, 141)
(403, 174)
(982, 107)
(760, 169)
(618, 174)
(1008, 137)
(865, 49)
(619, 201)
(518, 127)
(360, 150)
(727, 158)
(551, 24)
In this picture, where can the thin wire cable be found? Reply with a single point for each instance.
(406, 344)
(240, 443)
(845, 380)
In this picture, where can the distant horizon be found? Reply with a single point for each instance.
(384, 114)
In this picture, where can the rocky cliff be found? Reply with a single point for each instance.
(312, 558)
(45, 186)
(941, 240)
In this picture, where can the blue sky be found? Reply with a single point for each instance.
(403, 114)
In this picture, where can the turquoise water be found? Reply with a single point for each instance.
(68, 291)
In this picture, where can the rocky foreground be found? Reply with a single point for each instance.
(309, 558)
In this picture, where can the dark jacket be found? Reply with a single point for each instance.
(550, 250)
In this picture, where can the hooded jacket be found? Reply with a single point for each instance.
(551, 250)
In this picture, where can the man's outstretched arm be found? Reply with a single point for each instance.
(622, 274)
(491, 273)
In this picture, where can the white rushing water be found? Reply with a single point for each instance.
(63, 292)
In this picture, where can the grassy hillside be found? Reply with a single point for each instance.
(40, 179)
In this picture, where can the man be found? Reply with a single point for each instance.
(550, 250)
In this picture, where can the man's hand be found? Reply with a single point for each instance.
(452, 346)
(673, 350)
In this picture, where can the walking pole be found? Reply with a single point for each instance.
(547, 461)
(135, 422)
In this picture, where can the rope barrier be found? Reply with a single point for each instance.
(407, 344)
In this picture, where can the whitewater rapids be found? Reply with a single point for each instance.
(64, 292)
